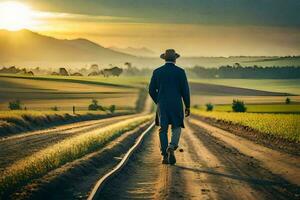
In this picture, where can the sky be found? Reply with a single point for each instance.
(192, 27)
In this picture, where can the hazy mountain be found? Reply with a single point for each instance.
(29, 47)
(141, 52)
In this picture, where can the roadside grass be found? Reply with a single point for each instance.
(12, 122)
(260, 108)
(35, 166)
(285, 126)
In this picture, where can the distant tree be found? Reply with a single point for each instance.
(287, 101)
(15, 105)
(93, 74)
(209, 107)
(83, 71)
(54, 108)
(30, 73)
(54, 74)
(128, 64)
(63, 71)
(238, 106)
(76, 74)
(94, 106)
(94, 67)
(116, 71)
(112, 108)
(105, 72)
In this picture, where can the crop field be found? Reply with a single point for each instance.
(260, 108)
(251, 91)
(202, 99)
(43, 94)
(281, 125)
(291, 86)
(38, 164)
(244, 61)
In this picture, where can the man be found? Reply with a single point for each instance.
(168, 87)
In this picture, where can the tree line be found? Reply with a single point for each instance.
(238, 71)
(228, 71)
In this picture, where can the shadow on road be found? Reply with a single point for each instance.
(232, 176)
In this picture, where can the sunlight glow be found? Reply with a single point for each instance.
(15, 16)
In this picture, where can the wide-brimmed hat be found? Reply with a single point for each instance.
(170, 54)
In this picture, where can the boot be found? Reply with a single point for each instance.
(171, 156)
(165, 160)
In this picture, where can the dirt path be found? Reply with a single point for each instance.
(208, 168)
(283, 164)
(17, 147)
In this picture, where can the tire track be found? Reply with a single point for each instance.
(245, 170)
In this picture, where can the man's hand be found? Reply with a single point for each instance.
(187, 112)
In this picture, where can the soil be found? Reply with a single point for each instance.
(206, 168)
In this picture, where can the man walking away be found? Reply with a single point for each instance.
(168, 87)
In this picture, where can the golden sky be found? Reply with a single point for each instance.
(214, 32)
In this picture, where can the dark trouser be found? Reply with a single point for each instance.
(163, 136)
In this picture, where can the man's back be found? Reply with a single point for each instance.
(170, 79)
(167, 88)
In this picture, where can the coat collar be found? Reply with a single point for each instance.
(169, 64)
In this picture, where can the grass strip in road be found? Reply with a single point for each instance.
(14, 122)
(285, 126)
(42, 162)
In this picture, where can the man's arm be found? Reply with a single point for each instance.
(153, 88)
(186, 94)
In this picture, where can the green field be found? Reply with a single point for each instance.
(260, 108)
(42, 93)
(211, 62)
(233, 89)
(285, 126)
(274, 85)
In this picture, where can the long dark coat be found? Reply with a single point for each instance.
(168, 87)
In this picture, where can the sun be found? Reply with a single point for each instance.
(15, 16)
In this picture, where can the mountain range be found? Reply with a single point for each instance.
(30, 49)
(25, 46)
(141, 52)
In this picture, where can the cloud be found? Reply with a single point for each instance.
(40, 15)
(209, 12)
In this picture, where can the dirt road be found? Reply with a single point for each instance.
(19, 146)
(208, 168)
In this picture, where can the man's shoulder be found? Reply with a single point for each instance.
(179, 68)
(158, 69)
